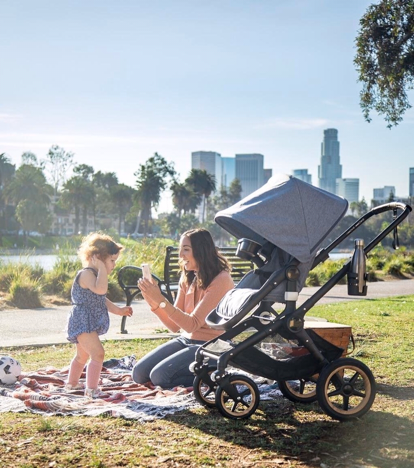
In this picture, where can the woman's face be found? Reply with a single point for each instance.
(186, 254)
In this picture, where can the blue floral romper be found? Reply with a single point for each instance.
(89, 312)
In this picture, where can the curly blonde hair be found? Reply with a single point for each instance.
(98, 244)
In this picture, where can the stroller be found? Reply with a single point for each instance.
(280, 227)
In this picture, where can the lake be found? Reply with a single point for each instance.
(47, 261)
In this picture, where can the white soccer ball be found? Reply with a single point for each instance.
(10, 369)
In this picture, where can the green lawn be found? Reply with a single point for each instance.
(280, 433)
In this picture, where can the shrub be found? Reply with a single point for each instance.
(312, 279)
(25, 293)
(395, 267)
(115, 292)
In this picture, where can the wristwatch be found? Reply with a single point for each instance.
(162, 305)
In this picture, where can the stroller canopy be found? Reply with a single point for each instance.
(291, 214)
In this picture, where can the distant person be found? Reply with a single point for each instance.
(205, 279)
(89, 316)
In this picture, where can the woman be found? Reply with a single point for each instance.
(205, 279)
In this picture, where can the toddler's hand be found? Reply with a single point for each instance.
(96, 262)
(127, 310)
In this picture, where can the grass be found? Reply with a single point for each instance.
(54, 286)
(280, 433)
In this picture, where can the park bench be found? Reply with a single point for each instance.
(129, 275)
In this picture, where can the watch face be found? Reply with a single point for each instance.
(163, 305)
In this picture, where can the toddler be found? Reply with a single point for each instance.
(89, 315)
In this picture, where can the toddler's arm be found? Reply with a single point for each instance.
(114, 309)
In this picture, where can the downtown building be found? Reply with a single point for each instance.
(303, 175)
(247, 168)
(330, 168)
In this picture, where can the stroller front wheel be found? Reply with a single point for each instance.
(238, 398)
(346, 389)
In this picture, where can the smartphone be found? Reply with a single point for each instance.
(146, 271)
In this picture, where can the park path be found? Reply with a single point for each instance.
(21, 327)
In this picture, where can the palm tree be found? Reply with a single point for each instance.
(203, 183)
(152, 179)
(29, 185)
(184, 198)
(121, 196)
(78, 193)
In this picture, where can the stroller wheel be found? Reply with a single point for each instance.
(205, 388)
(346, 389)
(239, 398)
(300, 390)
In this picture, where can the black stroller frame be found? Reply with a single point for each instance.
(343, 386)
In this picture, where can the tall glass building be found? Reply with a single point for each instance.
(330, 168)
(302, 174)
(211, 162)
(249, 171)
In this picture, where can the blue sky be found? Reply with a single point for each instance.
(116, 81)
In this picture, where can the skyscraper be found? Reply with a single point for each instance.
(348, 188)
(330, 168)
(302, 174)
(209, 161)
(382, 195)
(411, 188)
(229, 171)
(249, 171)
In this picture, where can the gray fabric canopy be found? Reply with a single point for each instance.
(291, 214)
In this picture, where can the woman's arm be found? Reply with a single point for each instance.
(221, 284)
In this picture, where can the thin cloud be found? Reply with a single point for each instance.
(294, 124)
(9, 118)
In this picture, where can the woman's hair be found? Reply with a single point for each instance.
(97, 244)
(209, 260)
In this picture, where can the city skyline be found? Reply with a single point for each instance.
(115, 83)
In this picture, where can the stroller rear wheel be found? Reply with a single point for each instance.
(300, 390)
(205, 388)
(239, 398)
(346, 389)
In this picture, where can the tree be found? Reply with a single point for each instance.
(58, 163)
(33, 216)
(78, 193)
(152, 179)
(29, 183)
(31, 193)
(184, 198)
(105, 179)
(30, 159)
(203, 183)
(7, 171)
(121, 196)
(385, 59)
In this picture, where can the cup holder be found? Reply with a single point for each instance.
(247, 249)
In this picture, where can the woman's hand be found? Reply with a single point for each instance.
(150, 292)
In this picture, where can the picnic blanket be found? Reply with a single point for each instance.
(43, 392)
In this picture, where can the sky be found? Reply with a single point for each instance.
(116, 81)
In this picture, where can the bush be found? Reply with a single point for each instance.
(395, 267)
(115, 292)
(25, 293)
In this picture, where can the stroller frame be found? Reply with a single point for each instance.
(344, 387)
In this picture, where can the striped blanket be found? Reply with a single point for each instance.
(43, 392)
